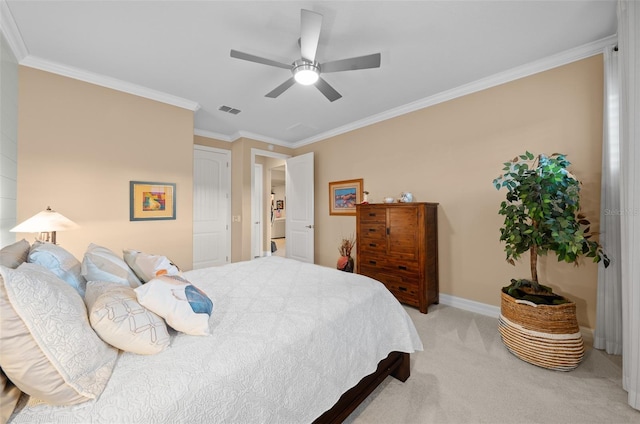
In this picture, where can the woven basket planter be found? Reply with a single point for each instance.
(544, 335)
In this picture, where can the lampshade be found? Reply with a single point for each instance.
(47, 221)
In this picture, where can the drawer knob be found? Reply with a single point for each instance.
(402, 267)
(402, 289)
(372, 262)
(372, 245)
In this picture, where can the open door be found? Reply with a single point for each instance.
(300, 218)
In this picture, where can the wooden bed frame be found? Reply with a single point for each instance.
(395, 365)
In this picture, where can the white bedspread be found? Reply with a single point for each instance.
(288, 338)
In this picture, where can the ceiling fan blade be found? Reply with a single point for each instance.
(281, 88)
(351, 64)
(328, 91)
(258, 59)
(310, 25)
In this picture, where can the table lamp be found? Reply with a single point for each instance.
(46, 223)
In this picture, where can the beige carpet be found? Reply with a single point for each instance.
(281, 245)
(466, 375)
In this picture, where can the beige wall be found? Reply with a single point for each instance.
(80, 144)
(451, 152)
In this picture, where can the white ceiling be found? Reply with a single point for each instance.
(178, 52)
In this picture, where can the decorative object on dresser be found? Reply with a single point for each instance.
(397, 244)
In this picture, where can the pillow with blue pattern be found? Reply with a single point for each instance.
(185, 307)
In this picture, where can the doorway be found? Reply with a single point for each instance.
(278, 211)
(298, 202)
(261, 202)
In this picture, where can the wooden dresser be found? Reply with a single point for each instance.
(397, 244)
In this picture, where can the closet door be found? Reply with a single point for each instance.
(211, 207)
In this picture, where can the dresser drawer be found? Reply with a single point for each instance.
(373, 232)
(407, 284)
(373, 215)
(405, 291)
(373, 245)
(407, 268)
(372, 261)
(370, 270)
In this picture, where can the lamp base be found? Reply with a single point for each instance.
(47, 237)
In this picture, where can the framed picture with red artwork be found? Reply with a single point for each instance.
(151, 201)
(344, 196)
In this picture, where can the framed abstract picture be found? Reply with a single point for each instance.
(344, 196)
(151, 201)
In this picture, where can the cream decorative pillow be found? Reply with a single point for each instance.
(147, 267)
(60, 262)
(47, 347)
(101, 264)
(121, 321)
(184, 307)
(9, 395)
(14, 254)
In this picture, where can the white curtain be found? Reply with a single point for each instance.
(608, 334)
(629, 63)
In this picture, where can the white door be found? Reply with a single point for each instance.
(299, 222)
(256, 211)
(211, 207)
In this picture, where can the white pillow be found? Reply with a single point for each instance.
(60, 262)
(14, 254)
(47, 347)
(101, 264)
(184, 307)
(147, 267)
(121, 321)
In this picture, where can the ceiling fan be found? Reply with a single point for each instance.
(307, 70)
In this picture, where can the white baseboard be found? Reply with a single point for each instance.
(494, 312)
(470, 305)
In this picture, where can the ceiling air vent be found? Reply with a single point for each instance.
(229, 109)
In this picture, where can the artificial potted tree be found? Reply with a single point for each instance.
(542, 214)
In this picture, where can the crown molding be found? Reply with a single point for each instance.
(241, 134)
(11, 32)
(545, 64)
(108, 82)
(214, 135)
(16, 43)
(264, 139)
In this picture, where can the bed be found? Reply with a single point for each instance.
(290, 342)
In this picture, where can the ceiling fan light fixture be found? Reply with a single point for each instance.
(306, 73)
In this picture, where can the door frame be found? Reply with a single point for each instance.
(259, 152)
(257, 211)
